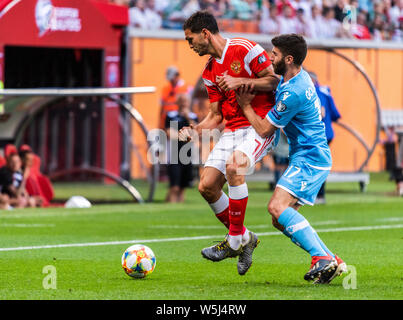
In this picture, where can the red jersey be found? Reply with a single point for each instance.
(240, 58)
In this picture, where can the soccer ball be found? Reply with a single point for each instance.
(138, 261)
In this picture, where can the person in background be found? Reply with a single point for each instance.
(144, 15)
(269, 22)
(329, 114)
(170, 92)
(315, 23)
(280, 158)
(12, 183)
(180, 174)
(288, 20)
(360, 29)
(4, 201)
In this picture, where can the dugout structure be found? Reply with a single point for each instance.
(80, 123)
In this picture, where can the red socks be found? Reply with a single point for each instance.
(237, 207)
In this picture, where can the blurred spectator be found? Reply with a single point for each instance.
(330, 27)
(244, 10)
(315, 23)
(288, 21)
(339, 10)
(269, 22)
(378, 29)
(215, 7)
(282, 4)
(144, 16)
(178, 11)
(396, 12)
(161, 5)
(305, 5)
(12, 183)
(4, 201)
(329, 114)
(180, 172)
(302, 26)
(280, 158)
(389, 145)
(170, 93)
(398, 33)
(360, 30)
(37, 185)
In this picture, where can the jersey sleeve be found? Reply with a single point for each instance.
(259, 59)
(255, 59)
(285, 109)
(214, 94)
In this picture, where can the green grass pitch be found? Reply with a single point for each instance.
(365, 229)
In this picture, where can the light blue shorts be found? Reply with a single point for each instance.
(303, 181)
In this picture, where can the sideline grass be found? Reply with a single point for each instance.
(181, 273)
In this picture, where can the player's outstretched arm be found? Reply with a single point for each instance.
(263, 127)
(267, 81)
(211, 121)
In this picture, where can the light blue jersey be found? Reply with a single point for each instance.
(298, 113)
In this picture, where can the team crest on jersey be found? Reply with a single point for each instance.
(280, 107)
(236, 66)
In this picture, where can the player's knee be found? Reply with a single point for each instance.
(232, 169)
(206, 189)
(237, 165)
(274, 208)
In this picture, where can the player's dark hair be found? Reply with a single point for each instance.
(291, 45)
(201, 20)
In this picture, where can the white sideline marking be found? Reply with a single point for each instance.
(26, 225)
(391, 219)
(251, 227)
(109, 243)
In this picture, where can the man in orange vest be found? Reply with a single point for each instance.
(170, 93)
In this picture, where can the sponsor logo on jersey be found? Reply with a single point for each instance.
(286, 95)
(303, 185)
(280, 107)
(261, 59)
(236, 66)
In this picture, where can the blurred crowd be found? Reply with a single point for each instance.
(22, 184)
(316, 19)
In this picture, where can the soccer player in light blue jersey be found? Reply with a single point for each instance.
(298, 113)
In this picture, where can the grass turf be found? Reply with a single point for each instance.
(94, 272)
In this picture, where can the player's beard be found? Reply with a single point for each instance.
(280, 67)
(202, 49)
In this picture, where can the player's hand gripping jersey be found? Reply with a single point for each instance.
(240, 58)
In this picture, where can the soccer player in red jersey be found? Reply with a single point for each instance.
(234, 63)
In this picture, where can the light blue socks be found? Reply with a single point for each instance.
(301, 233)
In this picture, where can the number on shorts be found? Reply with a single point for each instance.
(290, 172)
